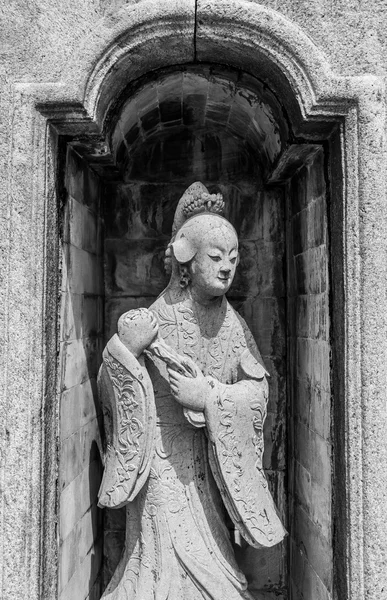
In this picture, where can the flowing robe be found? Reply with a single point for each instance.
(177, 468)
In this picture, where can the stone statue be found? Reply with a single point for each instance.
(184, 392)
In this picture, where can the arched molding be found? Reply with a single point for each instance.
(243, 34)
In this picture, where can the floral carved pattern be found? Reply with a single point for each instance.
(130, 429)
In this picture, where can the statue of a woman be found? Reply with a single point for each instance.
(185, 443)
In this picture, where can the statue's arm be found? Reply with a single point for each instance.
(234, 416)
(127, 399)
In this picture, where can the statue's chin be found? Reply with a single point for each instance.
(212, 291)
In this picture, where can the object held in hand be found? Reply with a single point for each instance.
(138, 330)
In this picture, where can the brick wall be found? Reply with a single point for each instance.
(310, 448)
(258, 293)
(80, 523)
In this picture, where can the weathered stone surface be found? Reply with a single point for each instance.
(330, 54)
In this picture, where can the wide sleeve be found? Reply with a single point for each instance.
(234, 416)
(127, 398)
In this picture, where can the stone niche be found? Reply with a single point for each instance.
(227, 129)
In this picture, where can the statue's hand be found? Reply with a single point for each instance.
(190, 392)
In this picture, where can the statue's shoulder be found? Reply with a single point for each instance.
(164, 308)
(163, 305)
(239, 324)
(250, 357)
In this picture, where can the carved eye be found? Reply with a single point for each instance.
(233, 260)
(215, 258)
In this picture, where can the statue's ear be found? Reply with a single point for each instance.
(183, 250)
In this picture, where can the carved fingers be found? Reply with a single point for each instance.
(188, 391)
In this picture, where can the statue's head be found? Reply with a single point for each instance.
(206, 249)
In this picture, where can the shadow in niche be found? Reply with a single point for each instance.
(95, 581)
(82, 318)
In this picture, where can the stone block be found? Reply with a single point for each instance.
(316, 176)
(299, 232)
(82, 581)
(152, 210)
(313, 362)
(312, 406)
(317, 222)
(78, 406)
(117, 201)
(82, 227)
(80, 360)
(307, 583)
(245, 207)
(71, 309)
(194, 100)
(74, 549)
(170, 94)
(219, 103)
(311, 271)
(77, 451)
(314, 499)
(92, 315)
(298, 193)
(81, 271)
(92, 190)
(317, 549)
(81, 316)
(312, 316)
(77, 498)
(147, 104)
(308, 184)
(309, 227)
(314, 454)
(265, 317)
(135, 268)
(75, 175)
(260, 271)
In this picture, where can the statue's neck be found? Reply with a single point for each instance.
(208, 302)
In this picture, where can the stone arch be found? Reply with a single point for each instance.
(245, 35)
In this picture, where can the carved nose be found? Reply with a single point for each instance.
(225, 272)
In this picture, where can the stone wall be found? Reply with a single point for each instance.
(81, 327)
(310, 446)
(58, 73)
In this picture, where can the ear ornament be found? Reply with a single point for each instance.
(183, 250)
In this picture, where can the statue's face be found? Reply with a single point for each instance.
(213, 267)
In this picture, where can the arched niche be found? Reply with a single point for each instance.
(321, 113)
(227, 129)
